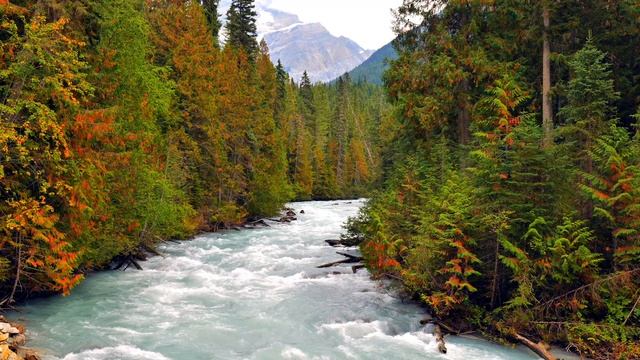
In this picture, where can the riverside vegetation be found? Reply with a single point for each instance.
(511, 168)
(125, 122)
(506, 157)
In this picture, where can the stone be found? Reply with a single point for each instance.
(17, 340)
(3, 337)
(8, 328)
(32, 356)
(20, 328)
(28, 354)
(5, 352)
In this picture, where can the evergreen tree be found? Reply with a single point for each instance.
(306, 96)
(590, 94)
(241, 26)
(213, 18)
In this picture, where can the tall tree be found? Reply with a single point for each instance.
(547, 111)
(213, 18)
(590, 95)
(241, 26)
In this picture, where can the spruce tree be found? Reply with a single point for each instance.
(241, 26)
(213, 20)
(306, 94)
(590, 93)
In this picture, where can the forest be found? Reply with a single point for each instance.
(501, 157)
(511, 169)
(125, 123)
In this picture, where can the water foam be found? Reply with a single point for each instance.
(252, 294)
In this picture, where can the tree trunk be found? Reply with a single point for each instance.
(464, 121)
(539, 348)
(18, 269)
(547, 112)
(496, 268)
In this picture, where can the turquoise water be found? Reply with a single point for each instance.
(253, 294)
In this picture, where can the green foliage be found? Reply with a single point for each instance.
(241, 26)
(149, 131)
(213, 18)
(613, 187)
(533, 239)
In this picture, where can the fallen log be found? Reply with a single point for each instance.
(135, 263)
(539, 348)
(355, 268)
(350, 259)
(448, 328)
(345, 261)
(152, 250)
(427, 320)
(334, 243)
(437, 332)
(353, 257)
(259, 222)
(120, 264)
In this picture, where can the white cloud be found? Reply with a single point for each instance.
(367, 22)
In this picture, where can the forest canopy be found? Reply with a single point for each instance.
(511, 168)
(124, 123)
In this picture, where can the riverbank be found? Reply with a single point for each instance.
(12, 342)
(243, 295)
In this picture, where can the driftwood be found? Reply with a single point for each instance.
(345, 261)
(355, 268)
(259, 222)
(127, 261)
(350, 259)
(345, 241)
(152, 250)
(539, 348)
(353, 257)
(437, 332)
(334, 243)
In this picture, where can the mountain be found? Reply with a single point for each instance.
(373, 68)
(313, 48)
(304, 46)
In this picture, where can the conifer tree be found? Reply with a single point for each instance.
(241, 26)
(590, 94)
(306, 96)
(213, 18)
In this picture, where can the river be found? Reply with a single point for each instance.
(251, 294)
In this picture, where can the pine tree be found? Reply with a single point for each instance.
(306, 96)
(590, 93)
(213, 18)
(241, 26)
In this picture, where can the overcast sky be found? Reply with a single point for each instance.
(367, 22)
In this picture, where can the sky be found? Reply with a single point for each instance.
(367, 22)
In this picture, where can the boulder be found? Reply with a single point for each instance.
(28, 354)
(3, 337)
(18, 340)
(7, 354)
(8, 328)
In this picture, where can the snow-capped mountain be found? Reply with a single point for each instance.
(305, 46)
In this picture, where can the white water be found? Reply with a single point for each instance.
(254, 294)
